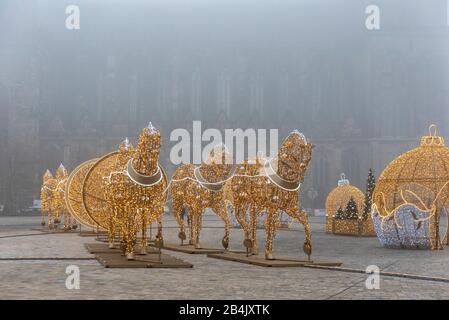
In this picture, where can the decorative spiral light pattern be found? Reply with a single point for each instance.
(74, 196)
(94, 186)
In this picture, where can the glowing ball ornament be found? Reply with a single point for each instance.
(338, 199)
(411, 194)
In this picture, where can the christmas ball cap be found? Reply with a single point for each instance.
(343, 181)
(48, 173)
(432, 140)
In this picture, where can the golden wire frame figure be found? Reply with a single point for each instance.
(114, 191)
(195, 188)
(418, 178)
(46, 194)
(60, 208)
(272, 187)
(74, 195)
(140, 193)
(338, 199)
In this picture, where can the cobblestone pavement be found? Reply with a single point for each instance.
(213, 278)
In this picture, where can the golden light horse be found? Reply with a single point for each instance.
(271, 187)
(195, 188)
(140, 192)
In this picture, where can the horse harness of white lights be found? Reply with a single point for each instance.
(57, 188)
(201, 183)
(133, 179)
(221, 182)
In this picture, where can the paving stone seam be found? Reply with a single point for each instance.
(44, 258)
(383, 273)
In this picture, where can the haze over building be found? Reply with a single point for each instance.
(361, 96)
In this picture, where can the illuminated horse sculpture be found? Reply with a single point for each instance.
(141, 196)
(272, 187)
(115, 193)
(48, 184)
(53, 199)
(196, 188)
(59, 204)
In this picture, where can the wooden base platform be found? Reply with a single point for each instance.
(46, 230)
(104, 239)
(262, 262)
(92, 234)
(104, 248)
(114, 260)
(188, 248)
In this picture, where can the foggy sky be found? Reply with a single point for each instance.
(306, 65)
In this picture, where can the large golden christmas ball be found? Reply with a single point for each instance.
(411, 193)
(339, 198)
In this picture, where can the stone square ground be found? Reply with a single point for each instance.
(22, 276)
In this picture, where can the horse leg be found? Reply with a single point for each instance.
(144, 225)
(199, 220)
(240, 215)
(43, 218)
(221, 211)
(66, 222)
(253, 217)
(129, 233)
(49, 219)
(177, 211)
(302, 217)
(121, 226)
(75, 223)
(270, 225)
(69, 220)
(129, 245)
(111, 232)
(159, 236)
(193, 226)
(57, 219)
(190, 219)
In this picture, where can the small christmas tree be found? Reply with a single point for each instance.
(351, 210)
(340, 214)
(370, 185)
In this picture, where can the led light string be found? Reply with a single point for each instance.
(265, 174)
